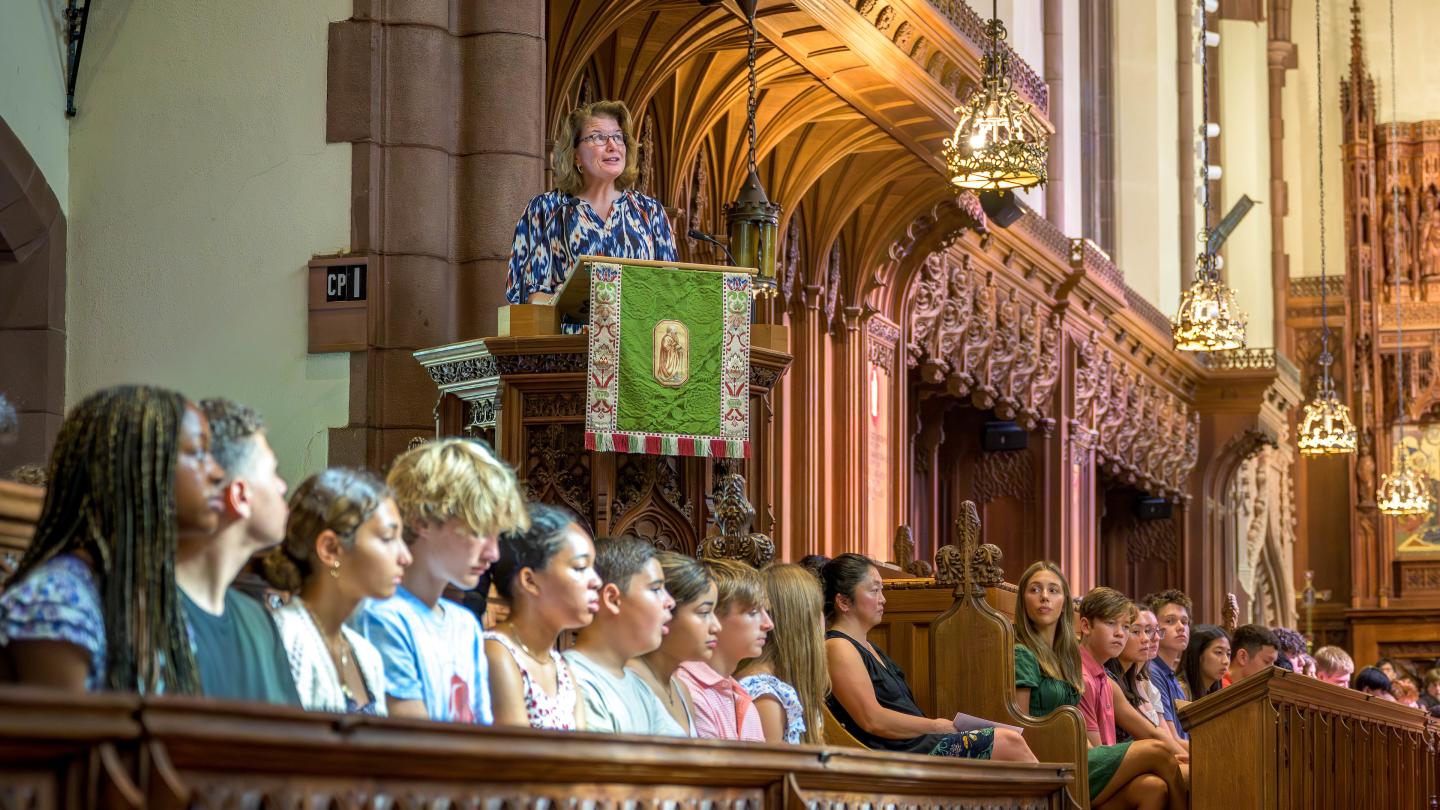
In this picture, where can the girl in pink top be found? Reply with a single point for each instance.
(723, 709)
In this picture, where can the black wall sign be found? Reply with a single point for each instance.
(345, 282)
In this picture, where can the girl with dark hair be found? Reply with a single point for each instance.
(691, 635)
(343, 543)
(869, 695)
(1206, 659)
(1050, 673)
(547, 574)
(93, 604)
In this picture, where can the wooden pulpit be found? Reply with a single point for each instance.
(525, 394)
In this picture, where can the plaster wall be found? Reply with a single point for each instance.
(32, 87)
(1417, 27)
(1025, 31)
(1244, 156)
(1146, 183)
(200, 186)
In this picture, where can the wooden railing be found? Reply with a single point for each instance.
(123, 752)
(1281, 741)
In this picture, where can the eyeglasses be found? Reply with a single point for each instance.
(599, 138)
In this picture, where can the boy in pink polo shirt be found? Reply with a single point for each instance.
(1104, 630)
(723, 709)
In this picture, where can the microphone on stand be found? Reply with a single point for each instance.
(705, 237)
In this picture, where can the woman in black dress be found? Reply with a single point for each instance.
(869, 695)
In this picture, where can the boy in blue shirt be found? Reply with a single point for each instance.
(455, 498)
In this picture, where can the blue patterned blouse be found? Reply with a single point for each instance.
(770, 686)
(58, 601)
(539, 261)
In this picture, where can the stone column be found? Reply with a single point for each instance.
(443, 103)
(32, 307)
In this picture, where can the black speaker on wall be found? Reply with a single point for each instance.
(1004, 436)
(1002, 207)
(1153, 508)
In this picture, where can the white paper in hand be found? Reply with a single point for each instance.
(967, 722)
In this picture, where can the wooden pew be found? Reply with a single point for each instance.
(19, 510)
(1282, 741)
(112, 751)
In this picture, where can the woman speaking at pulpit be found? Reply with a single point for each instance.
(593, 210)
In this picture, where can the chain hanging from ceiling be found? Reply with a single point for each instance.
(1325, 424)
(1209, 319)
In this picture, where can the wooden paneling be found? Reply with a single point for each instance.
(1279, 741)
(58, 750)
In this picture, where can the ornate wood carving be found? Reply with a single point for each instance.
(557, 467)
(903, 548)
(641, 480)
(982, 341)
(733, 517)
(1006, 474)
(967, 563)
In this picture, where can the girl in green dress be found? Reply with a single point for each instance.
(1142, 774)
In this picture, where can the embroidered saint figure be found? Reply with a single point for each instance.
(672, 354)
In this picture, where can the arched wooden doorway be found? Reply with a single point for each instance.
(32, 303)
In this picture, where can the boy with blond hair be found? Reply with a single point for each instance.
(1334, 665)
(455, 498)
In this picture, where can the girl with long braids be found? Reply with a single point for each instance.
(343, 543)
(93, 604)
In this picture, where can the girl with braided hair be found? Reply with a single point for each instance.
(93, 604)
(343, 543)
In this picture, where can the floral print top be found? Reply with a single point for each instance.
(557, 228)
(766, 685)
(555, 711)
(58, 601)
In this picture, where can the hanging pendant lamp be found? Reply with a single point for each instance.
(752, 221)
(1208, 320)
(1325, 425)
(1405, 491)
(998, 143)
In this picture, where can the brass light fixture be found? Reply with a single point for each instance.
(1405, 491)
(998, 143)
(1209, 320)
(1325, 425)
(752, 221)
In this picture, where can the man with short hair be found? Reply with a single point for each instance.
(1172, 610)
(634, 609)
(237, 648)
(1253, 649)
(1334, 665)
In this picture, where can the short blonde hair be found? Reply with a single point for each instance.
(567, 174)
(1331, 660)
(456, 478)
(736, 584)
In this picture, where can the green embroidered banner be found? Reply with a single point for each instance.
(669, 361)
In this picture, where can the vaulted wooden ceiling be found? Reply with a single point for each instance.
(855, 101)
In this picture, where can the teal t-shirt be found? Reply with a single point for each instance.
(239, 652)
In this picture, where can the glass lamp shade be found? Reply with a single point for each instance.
(1209, 320)
(753, 223)
(1325, 426)
(1403, 494)
(997, 143)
